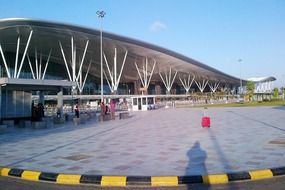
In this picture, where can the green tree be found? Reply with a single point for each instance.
(250, 86)
(275, 93)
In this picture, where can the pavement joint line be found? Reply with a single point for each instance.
(123, 181)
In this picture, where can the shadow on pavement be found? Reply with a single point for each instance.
(279, 108)
(196, 161)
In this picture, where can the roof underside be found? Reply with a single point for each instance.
(46, 36)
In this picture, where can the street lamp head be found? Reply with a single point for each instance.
(101, 14)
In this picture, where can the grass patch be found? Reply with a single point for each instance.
(243, 104)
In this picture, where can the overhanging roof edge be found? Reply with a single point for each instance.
(91, 31)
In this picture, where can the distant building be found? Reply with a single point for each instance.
(262, 84)
(263, 88)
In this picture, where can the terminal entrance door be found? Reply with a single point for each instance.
(142, 103)
(139, 103)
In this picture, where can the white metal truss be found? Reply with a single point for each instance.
(81, 83)
(168, 82)
(144, 73)
(202, 84)
(226, 88)
(214, 86)
(187, 83)
(114, 77)
(76, 74)
(17, 70)
(263, 87)
(38, 64)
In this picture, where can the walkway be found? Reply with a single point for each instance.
(157, 142)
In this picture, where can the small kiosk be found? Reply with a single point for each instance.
(143, 103)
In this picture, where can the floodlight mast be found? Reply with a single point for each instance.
(240, 92)
(101, 15)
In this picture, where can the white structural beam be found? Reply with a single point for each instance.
(110, 86)
(30, 64)
(187, 83)
(202, 84)
(76, 62)
(5, 63)
(121, 71)
(65, 62)
(83, 58)
(147, 75)
(86, 76)
(168, 81)
(214, 86)
(25, 52)
(114, 77)
(44, 73)
(16, 70)
(38, 64)
(17, 55)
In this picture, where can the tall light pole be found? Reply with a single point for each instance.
(240, 60)
(101, 15)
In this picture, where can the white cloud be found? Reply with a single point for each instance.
(157, 26)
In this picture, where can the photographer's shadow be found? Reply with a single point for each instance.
(196, 161)
(196, 167)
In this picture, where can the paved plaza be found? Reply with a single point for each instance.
(158, 142)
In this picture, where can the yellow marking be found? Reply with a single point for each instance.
(114, 181)
(215, 179)
(30, 175)
(68, 179)
(5, 171)
(260, 174)
(164, 181)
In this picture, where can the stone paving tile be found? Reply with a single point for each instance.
(237, 140)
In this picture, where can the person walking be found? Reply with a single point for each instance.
(76, 109)
(103, 110)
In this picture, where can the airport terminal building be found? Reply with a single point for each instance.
(48, 58)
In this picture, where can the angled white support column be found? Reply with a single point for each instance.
(16, 70)
(17, 55)
(25, 52)
(214, 86)
(110, 86)
(5, 63)
(168, 82)
(38, 64)
(30, 64)
(65, 62)
(226, 88)
(86, 75)
(115, 80)
(187, 83)
(44, 73)
(82, 60)
(147, 75)
(76, 63)
(202, 85)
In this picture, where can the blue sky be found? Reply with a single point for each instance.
(215, 32)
